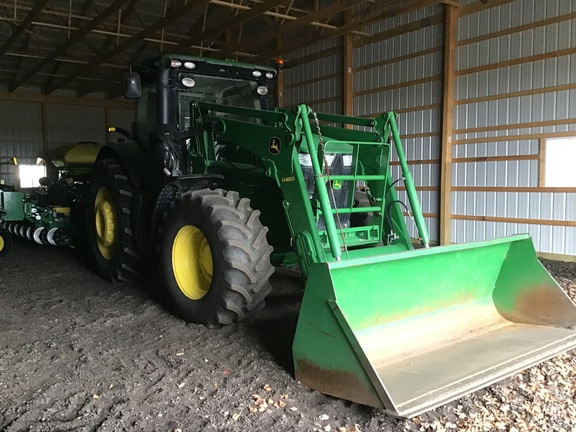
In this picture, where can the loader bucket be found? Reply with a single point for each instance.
(412, 330)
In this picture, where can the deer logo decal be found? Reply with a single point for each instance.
(274, 146)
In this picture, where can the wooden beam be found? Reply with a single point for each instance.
(548, 222)
(399, 30)
(517, 61)
(399, 85)
(31, 97)
(381, 11)
(517, 94)
(532, 136)
(23, 25)
(280, 86)
(236, 20)
(481, 5)
(542, 162)
(447, 124)
(303, 21)
(528, 125)
(347, 67)
(173, 15)
(515, 189)
(496, 158)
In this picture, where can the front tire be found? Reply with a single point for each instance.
(5, 242)
(214, 258)
(112, 208)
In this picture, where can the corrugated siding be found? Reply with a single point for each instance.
(67, 124)
(515, 87)
(20, 135)
(122, 118)
(317, 82)
(23, 129)
(403, 73)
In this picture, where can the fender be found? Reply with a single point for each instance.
(132, 157)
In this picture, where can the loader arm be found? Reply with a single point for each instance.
(278, 137)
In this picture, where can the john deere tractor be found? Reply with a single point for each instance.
(219, 185)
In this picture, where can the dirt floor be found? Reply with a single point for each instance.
(77, 353)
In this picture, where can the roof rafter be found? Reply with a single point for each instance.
(292, 25)
(242, 17)
(174, 15)
(23, 25)
(76, 37)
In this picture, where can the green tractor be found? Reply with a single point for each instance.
(219, 185)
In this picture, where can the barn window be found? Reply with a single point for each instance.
(560, 157)
(30, 174)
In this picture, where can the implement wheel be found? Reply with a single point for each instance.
(214, 258)
(5, 242)
(112, 207)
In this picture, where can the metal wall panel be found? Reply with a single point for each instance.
(317, 82)
(20, 135)
(490, 67)
(68, 124)
(119, 117)
(391, 75)
(23, 129)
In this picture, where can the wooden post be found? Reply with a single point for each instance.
(447, 124)
(347, 64)
(280, 78)
(542, 162)
(44, 120)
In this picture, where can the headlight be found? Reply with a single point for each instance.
(175, 63)
(189, 65)
(347, 160)
(262, 90)
(256, 74)
(329, 158)
(269, 75)
(188, 82)
(305, 159)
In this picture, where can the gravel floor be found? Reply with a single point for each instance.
(77, 353)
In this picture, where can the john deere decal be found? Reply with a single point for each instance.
(274, 146)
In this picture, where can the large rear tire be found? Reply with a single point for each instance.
(5, 242)
(112, 208)
(214, 258)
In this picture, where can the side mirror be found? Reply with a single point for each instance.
(131, 86)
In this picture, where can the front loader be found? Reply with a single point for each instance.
(219, 184)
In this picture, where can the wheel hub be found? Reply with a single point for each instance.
(192, 262)
(105, 223)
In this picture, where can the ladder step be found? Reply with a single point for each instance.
(357, 210)
(356, 177)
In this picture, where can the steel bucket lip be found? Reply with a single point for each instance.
(532, 359)
(380, 254)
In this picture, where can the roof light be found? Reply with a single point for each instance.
(257, 73)
(175, 63)
(269, 75)
(190, 65)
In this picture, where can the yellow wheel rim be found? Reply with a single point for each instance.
(1, 243)
(192, 262)
(105, 221)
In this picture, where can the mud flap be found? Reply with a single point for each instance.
(413, 330)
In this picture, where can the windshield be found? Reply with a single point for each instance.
(226, 91)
